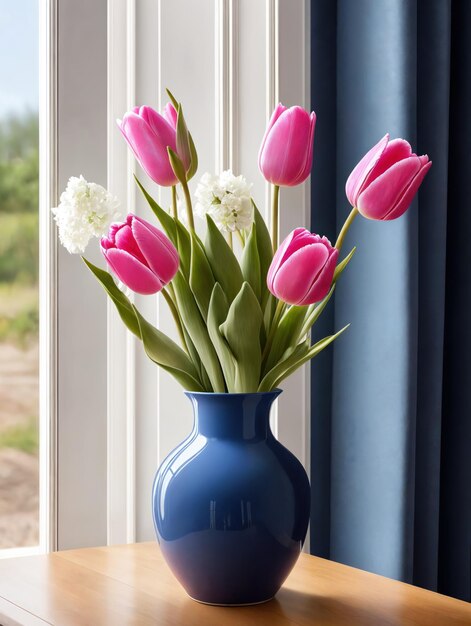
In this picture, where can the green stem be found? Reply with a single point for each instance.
(230, 240)
(189, 206)
(280, 305)
(345, 228)
(176, 317)
(174, 202)
(274, 216)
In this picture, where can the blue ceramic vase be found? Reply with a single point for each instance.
(230, 503)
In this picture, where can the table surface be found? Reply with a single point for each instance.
(131, 585)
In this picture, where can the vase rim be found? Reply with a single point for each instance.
(274, 392)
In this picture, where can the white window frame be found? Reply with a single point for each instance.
(47, 58)
(47, 276)
(73, 337)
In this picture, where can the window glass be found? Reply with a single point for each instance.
(19, 263)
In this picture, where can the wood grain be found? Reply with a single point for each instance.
(131, 585)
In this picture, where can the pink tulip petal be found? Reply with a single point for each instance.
(355, 182)
(279, 109)
(396, 150)
(296, 276)
(281, 254)
(323, 282)
(106, 243)
(132, 272)
(308, 162)
(284, 154)
(377, 200)
(405, 201)
(158, 250)
(160, 235)
(121, 124)
(170, 114)
(149, 151)
(297, 239)
(164, 131)
(124, 240)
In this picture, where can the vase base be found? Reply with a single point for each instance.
(229, 604)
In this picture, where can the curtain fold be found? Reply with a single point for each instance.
(390, 403)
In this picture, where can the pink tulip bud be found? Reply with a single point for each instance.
(140, 255)
(302, 269)
(384, 183)
(149, 134)
(285, 156)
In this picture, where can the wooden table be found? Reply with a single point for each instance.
(131, 585)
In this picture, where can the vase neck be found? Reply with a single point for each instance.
(233, 416)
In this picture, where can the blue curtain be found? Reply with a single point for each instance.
(391, 402)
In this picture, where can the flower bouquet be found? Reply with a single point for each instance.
(230, 528)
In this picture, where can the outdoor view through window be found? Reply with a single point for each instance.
(19, 298)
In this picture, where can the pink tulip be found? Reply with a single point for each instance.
(384, 183)
(149, 134)
(302, 269)
(140, 255)
(285, 157)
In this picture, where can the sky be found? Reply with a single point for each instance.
(18, 56)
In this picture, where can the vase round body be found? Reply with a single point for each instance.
(230, 503)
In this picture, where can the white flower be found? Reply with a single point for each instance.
(85, 210)
(226, 198)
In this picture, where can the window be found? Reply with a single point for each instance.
(19, 273)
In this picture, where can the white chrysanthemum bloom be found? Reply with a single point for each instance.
(226, 198)
(85, 210)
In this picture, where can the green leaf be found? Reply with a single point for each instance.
(198, 331)
(242, 332)
(201, 276)
(173, 100)
(343, 264)
(265, 253)
(205, 378)
(315, 311)
(218, 311)
(183, 247)
(226, 268)
(291, 364)
(122, 302)
(287, 335)
(268, 308)
(163, 350)
(164, 218)
(194, 356)
(250, 262)
(177, 165)
(183, 142)
(193, 154)
(268, 381)
(158, 350)
(264, 245)
(194, 159)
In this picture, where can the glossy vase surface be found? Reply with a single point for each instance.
(230, 503)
